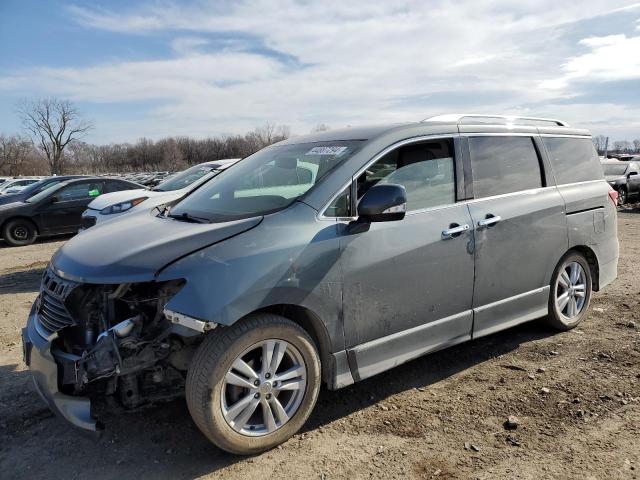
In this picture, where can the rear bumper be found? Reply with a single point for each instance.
(46, 373)
(608, 273)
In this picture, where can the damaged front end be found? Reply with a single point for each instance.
(98, 345)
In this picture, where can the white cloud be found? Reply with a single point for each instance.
(344, 62)
(188, 45)
(614, 57)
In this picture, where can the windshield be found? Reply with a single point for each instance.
(266, 181)
(183, 179)
(14, 184)
(42, 184)
(612, 169)
(44, 193)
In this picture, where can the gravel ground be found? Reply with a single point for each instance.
(576, 396)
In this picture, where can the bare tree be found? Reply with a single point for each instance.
(53, 124)
(636, 145)
(599, 141)
(620, 146)
(270, 133)
(14, 151)
(321, 127)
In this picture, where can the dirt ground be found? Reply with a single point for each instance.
(576, 396)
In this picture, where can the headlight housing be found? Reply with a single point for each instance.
(122, 206)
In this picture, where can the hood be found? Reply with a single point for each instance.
(134, 251)
(11, 204)
(11, 197)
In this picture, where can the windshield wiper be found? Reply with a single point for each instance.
(187, 217)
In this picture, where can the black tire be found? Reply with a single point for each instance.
(556, 318)
(19, 232)
(205, 385)
(623, 196)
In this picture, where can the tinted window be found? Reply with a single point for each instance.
(573, 159)
(79, 191)
(503, 165)
(425, 170)
(116, 186)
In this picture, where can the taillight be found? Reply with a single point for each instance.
(613, 195)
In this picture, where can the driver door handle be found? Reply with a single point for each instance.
(490, 220)
(454, 230)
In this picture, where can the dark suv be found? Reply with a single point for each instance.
(624, 177)
(326, 258)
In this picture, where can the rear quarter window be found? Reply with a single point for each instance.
(573, 159)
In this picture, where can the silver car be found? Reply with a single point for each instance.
(327, 258)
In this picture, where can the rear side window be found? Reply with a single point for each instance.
(116, 186)
(504, 165)
(573, 159)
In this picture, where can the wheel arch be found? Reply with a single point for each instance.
(592, 260)
(310, 322)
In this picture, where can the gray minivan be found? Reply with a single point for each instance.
(325, 258)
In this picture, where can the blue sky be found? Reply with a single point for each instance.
(159, 68)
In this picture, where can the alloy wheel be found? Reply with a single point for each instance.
(571, 290)
(264, 387)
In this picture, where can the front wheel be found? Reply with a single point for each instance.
(19, 232)
(622, 196)
(251, 386)
(571, 288)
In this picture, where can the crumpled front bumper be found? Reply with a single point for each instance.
(46, 374)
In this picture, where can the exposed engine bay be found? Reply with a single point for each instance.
(114, 341)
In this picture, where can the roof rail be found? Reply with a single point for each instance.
(459, 118)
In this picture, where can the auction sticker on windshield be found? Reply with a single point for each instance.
(326, 150)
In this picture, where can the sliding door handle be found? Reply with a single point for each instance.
(454, 230)
(490, 220)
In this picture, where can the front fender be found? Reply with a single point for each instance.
(290, 258)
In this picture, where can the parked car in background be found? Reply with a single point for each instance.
(56, 210)
(113, 205)
(329, 258)
(624, 178)
(16, 185)
(35, 188)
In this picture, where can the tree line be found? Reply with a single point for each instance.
(617, 146)
(53, 145)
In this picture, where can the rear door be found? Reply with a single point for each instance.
(520, 230)
(65, 213)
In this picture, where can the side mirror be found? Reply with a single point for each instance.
(54, 199)
(631, 173)
(383, 203)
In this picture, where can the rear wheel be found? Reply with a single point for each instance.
(253, 385)
(19, 232)
(571, 288)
